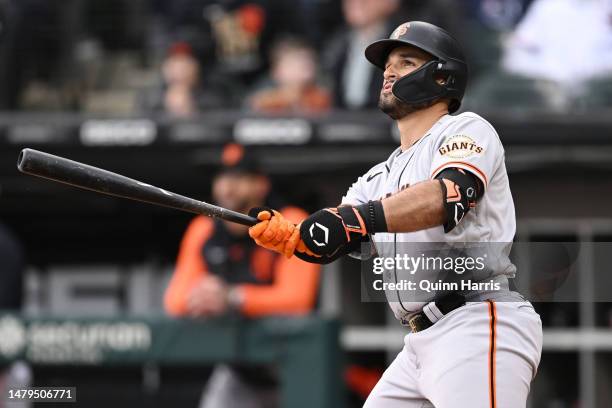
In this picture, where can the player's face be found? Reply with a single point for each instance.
(235, 191)
(401, 62)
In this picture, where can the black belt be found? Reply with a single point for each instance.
(434, 311)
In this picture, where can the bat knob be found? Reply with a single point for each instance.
(22, 159)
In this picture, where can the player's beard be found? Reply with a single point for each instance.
(393, 107)
(396, 109)
(244, 205)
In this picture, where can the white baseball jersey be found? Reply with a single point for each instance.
(465, 141)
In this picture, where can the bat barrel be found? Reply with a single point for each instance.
(87, 177)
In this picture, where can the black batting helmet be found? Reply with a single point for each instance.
(420, 86)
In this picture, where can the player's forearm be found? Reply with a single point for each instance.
(330, 231)
(415, 208)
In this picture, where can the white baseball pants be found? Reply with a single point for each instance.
(481, 355)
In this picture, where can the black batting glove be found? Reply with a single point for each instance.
(327, 231)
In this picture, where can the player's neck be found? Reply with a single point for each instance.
(413, 126)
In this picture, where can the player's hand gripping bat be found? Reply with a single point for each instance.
(80, 175)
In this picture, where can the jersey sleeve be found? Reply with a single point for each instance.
(364, 188)
(355, 194)
(471, 145)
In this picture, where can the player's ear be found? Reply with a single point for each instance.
(441, 80)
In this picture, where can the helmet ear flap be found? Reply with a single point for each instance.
(442, 72)
(420, 86)
(455, 74)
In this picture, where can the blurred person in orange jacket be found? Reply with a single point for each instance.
(293, 87)
(220, 269)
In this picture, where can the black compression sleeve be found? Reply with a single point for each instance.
(373, 214)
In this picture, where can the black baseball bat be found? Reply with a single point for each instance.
(92, 178)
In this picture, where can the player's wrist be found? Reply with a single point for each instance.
(373, 215)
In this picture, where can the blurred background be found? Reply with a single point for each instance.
(94, 290)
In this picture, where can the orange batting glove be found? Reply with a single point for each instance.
(278, 234)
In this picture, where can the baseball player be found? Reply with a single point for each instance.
(445, 183)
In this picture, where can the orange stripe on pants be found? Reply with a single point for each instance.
(492, 336)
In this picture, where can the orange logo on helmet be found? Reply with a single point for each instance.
(401, 30)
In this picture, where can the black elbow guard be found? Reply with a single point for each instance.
(460, 191)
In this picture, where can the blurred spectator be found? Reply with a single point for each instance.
(357, 83)
(318, 19)
(230, 38)
(42, 44)
(292, 86)
(501, 15)
(181, 73)
(443, 13)
(220, 270)
(33, 46)
(559, 57)
(566, 41)
(181, 93)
